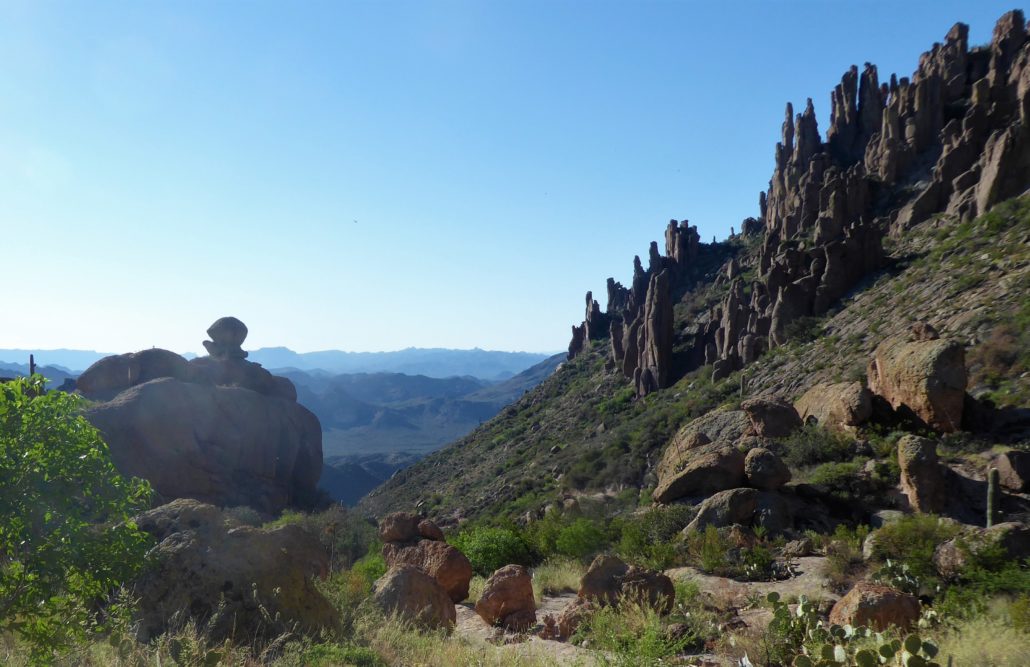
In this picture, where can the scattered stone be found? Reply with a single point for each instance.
(412, 594)
(875, 606)
(507, 599)
(764, 470)
(572, 615)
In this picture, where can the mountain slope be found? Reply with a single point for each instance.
(859, 236)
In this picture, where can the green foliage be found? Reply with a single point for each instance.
(67, 539)
(490, 548)
(648, 537)
(633, 634)
(310, 654)
(579, 539)
(814, 444)
(708, 549)
(911, 541)
(800, 638)
(371, 566)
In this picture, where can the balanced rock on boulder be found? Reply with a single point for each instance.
(218, 429)
(411, 540)
(507, 599)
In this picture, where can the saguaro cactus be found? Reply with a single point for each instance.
(992, 496)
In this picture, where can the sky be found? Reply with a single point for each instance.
(372, 176)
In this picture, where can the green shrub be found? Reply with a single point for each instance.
(67, 539)
(708, 550)
(814, 444)
(911, 541)
(579, 539)
(635, 634)
(345, 535)
(489, 548)
(649, 537)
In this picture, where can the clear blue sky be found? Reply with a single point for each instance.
(166, 163)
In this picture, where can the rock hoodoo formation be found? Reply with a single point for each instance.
(953, 138)
(219, 428)
(410, 540)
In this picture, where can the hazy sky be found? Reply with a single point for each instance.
(378, 175)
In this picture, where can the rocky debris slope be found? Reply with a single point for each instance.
(218, 429)
(233, 580)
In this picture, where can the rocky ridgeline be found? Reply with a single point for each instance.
(219, 428)
(952, 139)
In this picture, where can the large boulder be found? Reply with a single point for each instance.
(224, 445)
(875, 606)
(411, 540)
(238, 581)
(218, 429)
(1013, 538)
(924, 379)
(609, 580)
(572, 615)
(841, 406)
(410, 593)
(922, 475)
(698, 471)
(507, 599)
(764, 470)
(735, 506)
(771, 417)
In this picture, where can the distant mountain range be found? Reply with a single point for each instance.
(431, 362)
(374, 424)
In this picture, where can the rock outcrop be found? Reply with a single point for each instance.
(218, 429)
(875, 606)
(765, 470)
(233, 580)
(411, 540)
(771, 417)
(507, 599)
(923, 379)
(1014, 470)
(410, 593)
(954, 138)
(735, 506)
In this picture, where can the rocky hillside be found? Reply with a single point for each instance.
(907, 211)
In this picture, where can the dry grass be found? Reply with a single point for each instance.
(985, 642)
(557, 575)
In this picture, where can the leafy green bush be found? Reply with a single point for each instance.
(67, 539)
(911, 541)
(634, 633)
(489, 548)
(580, 539)
(708, 550)
(649, 537)
(814, 444)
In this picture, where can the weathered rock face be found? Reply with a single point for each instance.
(410, 540)
(922, 475)
(698, 471)
(875, 606)
(222, 576)
(222, 430)
(771, 417)
(951, 557)
(609, 580)
(923, 379)
(764, 470)
(507, 599)
(415, 596)
(572, 616)
(841, 406)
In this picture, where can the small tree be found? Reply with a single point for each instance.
(67, 540)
